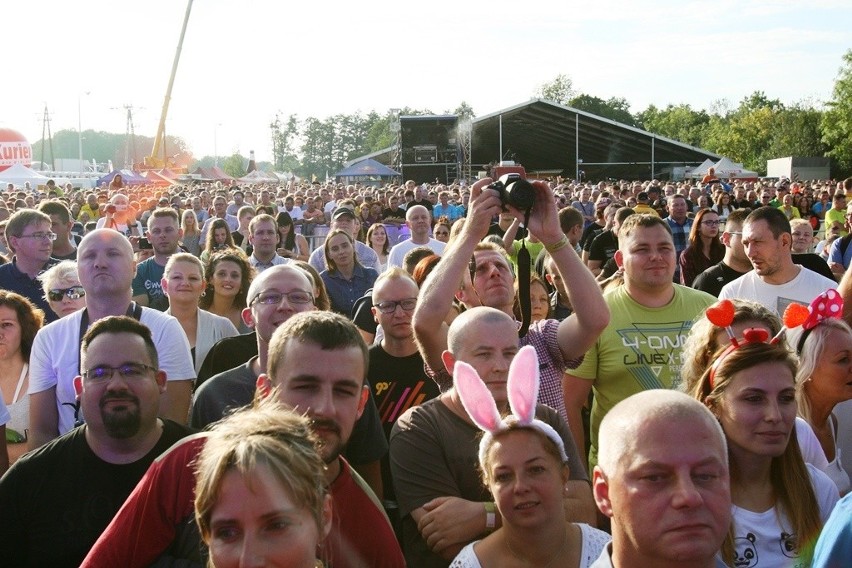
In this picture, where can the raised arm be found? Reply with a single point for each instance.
(437, 292)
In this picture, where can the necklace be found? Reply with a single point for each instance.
(550, 562)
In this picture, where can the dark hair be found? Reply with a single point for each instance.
(328, 330)
(237, 257)
(386, 246)
(775, 219)
(55, 208)
(285, 220)
(30, 318)
(121, 324)
(696, 247)
(569, 217)
(211, 235)
(414, 256)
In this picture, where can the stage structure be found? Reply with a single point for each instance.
(428, 148)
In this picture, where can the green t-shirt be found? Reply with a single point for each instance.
(640, 349)
(533, 248)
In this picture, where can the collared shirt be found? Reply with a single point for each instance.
(680, 234)
(13, 280)
(344, 292)
(260, 266)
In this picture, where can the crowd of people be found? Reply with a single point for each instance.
(353, 375)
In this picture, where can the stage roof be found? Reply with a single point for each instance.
(545, 136)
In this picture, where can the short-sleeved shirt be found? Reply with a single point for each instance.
(802, 289)
(55, 358)
(149, 273)
(640, 349)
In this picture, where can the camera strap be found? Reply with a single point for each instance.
(524, 263)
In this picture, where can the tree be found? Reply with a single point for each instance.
(678, 122)
(837, 120)
(796, 132)
(559, 90)
(235, 165)
(617, 109)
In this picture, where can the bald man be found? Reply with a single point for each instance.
(419, 222)
(662, 478)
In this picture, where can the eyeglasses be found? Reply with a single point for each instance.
(128, 372)
(41, 236)
(73, 293)
(389, 306)
(734, 233)
(272, 298)
(711, 223)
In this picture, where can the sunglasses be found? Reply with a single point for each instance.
(73, 293)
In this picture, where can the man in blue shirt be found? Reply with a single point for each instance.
(681, 225)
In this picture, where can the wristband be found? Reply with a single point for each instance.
(558, 245)
(490, 516)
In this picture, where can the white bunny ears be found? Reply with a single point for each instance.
(522, 387)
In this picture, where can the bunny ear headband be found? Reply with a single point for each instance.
(522, 387)
(829, 304)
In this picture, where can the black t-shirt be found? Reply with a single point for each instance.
(424, 202)
(398, 213)
(56, 501)
(814, 262)
(397, 384)
(589, 234)
(603, 247)
(714, 278)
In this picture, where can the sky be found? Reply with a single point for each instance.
(243, 62)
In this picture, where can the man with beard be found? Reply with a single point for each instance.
(56, 501)
(317, 364)
(106, 268)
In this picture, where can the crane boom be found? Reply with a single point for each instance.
(153, 161)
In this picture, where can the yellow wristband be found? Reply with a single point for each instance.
(558, 245)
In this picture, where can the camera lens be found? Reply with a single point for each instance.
(520, 194)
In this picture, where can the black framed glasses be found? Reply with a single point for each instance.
(711, 223)
(73, 293)
(127, 371)
(273, 298)
(389, 306)
(41, 236)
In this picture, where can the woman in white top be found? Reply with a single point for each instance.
(20, 320)
(824, 380)
(183, 282)
(523, 464)
(779, 503)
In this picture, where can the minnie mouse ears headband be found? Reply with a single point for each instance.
(829, 304)
(522, 387)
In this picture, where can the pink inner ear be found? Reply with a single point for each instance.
(475, 397)
(523, 384)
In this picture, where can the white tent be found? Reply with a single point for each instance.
(701, 171)
(19, 174)
(726, 169)
(258, 176)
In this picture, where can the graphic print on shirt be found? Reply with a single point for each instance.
(654, 346)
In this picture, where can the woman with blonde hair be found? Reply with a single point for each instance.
(260, 490)
(191, 232)
(824, 378)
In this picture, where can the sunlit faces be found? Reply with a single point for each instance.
(526, 481)
(757, 410)
(30, 247)
(493, 280)
(396, 324)
(118, 407)
(327, 384)
(220, 236)
(66, 304)
(442, 233)
(489, 346)
(266, 318)
(105, 263)
(378, 237)
(341, 252)
(762, 248)
(184, 282)
(539, 301)
(832, 376)
(669, 501)
(264, 239)
(164, 234)
(227, 278)
(647, 256)
(803, 237)
(256, 522)
(709, 226)
(418, 220)
(10, 333)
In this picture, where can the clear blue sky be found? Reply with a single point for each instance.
(243, 61)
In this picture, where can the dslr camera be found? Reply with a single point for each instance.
(512, 185)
